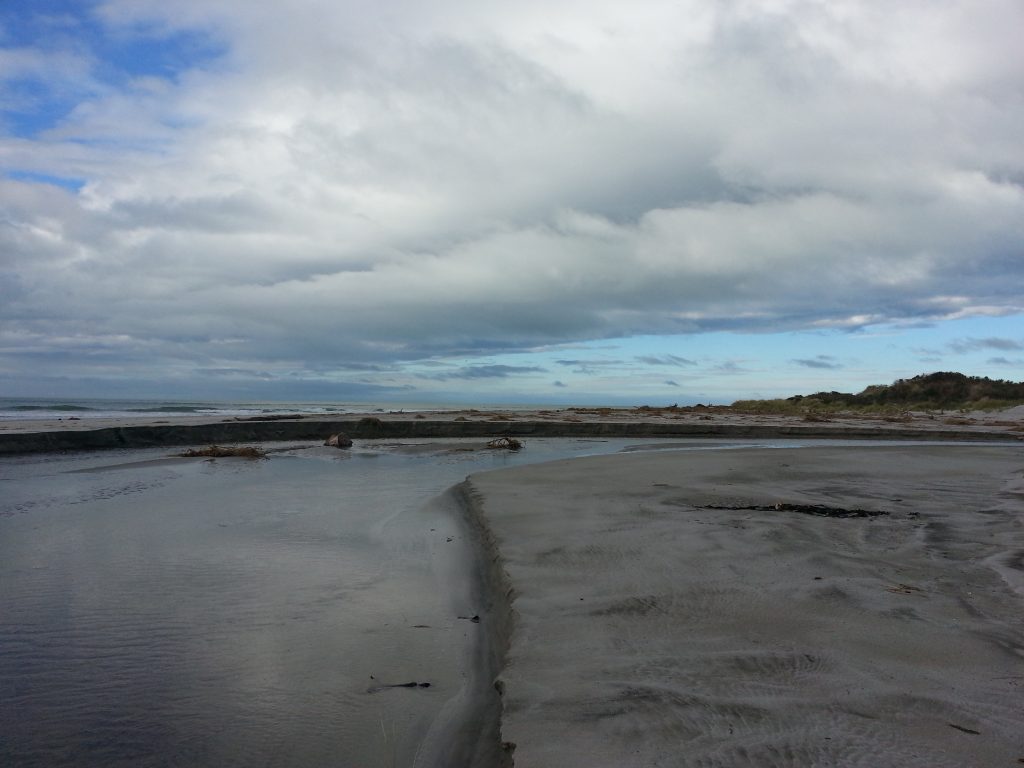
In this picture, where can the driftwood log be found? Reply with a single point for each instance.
(340, 440)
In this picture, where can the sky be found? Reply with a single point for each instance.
(574, 202)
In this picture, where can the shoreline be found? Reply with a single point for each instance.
(467, 732)
(42, 436)
(498, 596)
(312, 582)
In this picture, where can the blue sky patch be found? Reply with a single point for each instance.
(36, 99)
(71, 184)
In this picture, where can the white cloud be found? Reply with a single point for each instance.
(411, 180)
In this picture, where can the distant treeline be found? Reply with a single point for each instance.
(932, 391)
(942, 390)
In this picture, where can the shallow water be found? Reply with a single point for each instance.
(160, 612)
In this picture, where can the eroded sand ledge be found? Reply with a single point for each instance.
(35, 436)
(650, 629)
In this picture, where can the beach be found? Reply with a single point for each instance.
(685, 609)
(582, 602)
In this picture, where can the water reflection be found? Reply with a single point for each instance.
(159, 612)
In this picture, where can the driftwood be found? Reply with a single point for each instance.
(340, 440)
(505, 443)
(220, 452)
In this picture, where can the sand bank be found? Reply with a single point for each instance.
(660, 618)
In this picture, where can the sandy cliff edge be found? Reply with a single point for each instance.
(27, 436)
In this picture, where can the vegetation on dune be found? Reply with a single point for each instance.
(929, 392)
(667, 411)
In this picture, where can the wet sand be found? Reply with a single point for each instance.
(659, 608)
(664, 612)
(156, 610)
(160, 611)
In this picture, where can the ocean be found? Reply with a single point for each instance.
(26, 408)
(159, 611)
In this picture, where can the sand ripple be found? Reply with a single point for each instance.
(654, 629)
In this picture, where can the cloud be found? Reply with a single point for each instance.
(488, 372)
(1005, 361)
(671, 360)
(591, 363)
(670, 383)
(236, 373)
(730, 367)
(410, 182)
(964, 346)
(559, 384)
(820, 361)
(590, 367)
